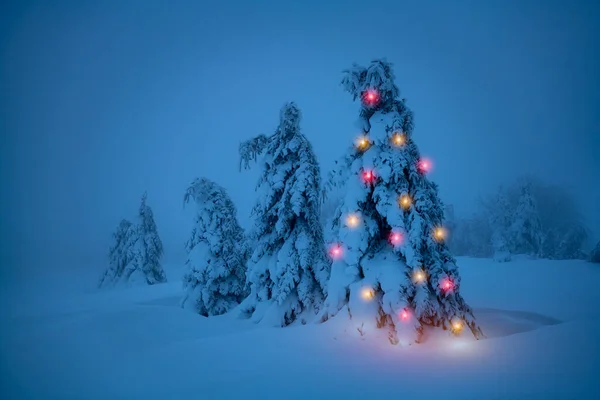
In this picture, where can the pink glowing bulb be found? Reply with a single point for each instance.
(335, 251)
(447, 285)
(395, 238)
(404, 315)
(425, 165)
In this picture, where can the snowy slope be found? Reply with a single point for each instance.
(541, 318)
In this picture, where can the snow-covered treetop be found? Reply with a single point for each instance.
(216, 215)
(378, 79)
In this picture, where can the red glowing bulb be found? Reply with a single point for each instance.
(368, 176)
(404, 315)
(371, 97)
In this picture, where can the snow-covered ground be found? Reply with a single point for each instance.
(541, 318)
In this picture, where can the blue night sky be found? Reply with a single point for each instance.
(101, 100)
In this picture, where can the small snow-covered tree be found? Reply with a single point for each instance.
(500, 222)
(526, 227)
(288, 270)
(118, 254)
(217, 252)
(595, 254)
(149, 247)
(392, 267)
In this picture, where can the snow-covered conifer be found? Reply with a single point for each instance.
(500, 222)
(526, 227)
(595, 254)
(217, 252)
(289, 268)
(392, 267)
(118, 254)
(149, 246)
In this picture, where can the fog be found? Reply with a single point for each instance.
(100, 101)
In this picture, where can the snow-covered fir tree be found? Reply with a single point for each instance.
(500, 222)
(595, 254)
(119, 254)
(149, 246)
(392, 267)
(288, 270)
(526, 226)
(217, 252)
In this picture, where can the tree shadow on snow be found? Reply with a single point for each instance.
(497, 323)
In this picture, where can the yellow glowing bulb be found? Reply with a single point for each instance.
(367, 293)
(398, 139)
(362, 143)
(352, 220)
(405, 201)
(457, 326)
(419, 276)
(440, 233)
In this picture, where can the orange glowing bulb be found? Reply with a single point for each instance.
(367, 294)
(352, 220)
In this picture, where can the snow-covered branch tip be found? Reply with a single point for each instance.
(251, 149)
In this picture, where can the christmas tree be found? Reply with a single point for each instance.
(289, 268)
(217, 252)
(392, 267)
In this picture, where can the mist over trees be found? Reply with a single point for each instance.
(526, 217)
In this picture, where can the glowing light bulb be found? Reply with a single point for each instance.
(447, 285)
(368, 176)
(362, 143)
(352, 220)
(439, 234)
(367, 294)
(371, 97)
(419, 276)
(457, 326)
(335, 251)
(395, 238)
(425, 165)
(398, 139)
(404, 315)
(405, 201)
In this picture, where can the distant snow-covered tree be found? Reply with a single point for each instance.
(288, 270)
(501, 217)
(217, 252)
(595, 254)
(149, 246)
(118, 254)
(526, 227)
(392, 267)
